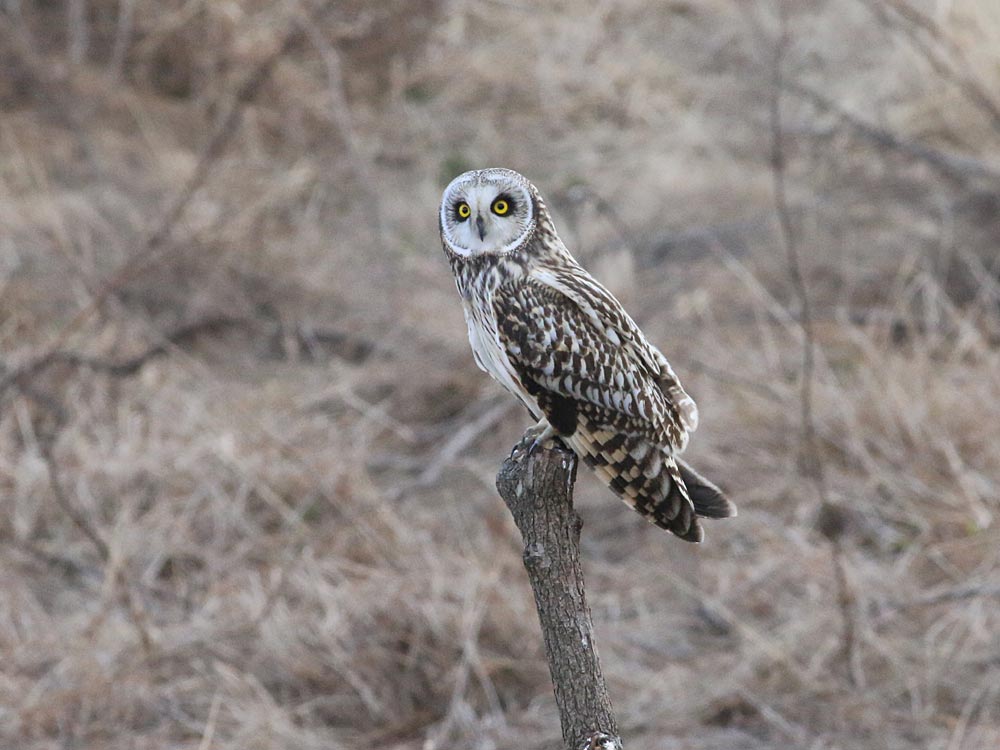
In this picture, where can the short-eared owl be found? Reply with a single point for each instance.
(559, 341)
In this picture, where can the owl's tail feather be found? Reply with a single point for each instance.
(689, 495)
(663, 489)
(708, 499)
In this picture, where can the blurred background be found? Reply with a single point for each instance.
(247, 461)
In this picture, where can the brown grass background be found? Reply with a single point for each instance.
(246, 460)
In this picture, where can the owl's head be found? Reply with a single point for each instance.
(487, 212)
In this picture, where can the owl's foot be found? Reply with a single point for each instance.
(543, 434)
(538, 436)
(601, 741)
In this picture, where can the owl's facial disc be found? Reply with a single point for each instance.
(486, 212)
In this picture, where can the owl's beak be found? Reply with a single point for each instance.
(481, 227)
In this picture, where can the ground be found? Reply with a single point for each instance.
(249, 501)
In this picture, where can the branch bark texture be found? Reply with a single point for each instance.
(537, 486)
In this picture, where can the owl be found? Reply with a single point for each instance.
(553, 336)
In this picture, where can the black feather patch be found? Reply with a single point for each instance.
(560, 411)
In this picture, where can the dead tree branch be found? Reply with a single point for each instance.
(537, 486)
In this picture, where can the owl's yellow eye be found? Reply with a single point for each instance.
(500, 207)
(464, 212)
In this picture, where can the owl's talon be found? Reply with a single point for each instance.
(517, 451)
(540, 435)
(536, 444)
(543, 433)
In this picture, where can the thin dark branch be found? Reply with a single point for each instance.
(132, 365)
(138, 615)
(460, 439)
(537, 486)
(953, 166)
(115, 368)
(941, 53)
(581, 194)
(789, 240)
(845, 601)
(949, 595)
(719, 375)
(813, 463)
(60, 563)
(62, 498)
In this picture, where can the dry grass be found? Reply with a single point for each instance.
(227, 535)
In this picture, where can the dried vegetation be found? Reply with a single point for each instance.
(246, 461)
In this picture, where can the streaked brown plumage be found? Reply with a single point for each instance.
(557, 339)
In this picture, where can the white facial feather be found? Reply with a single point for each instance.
(484, 231)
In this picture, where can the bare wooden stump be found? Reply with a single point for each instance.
(537, 486)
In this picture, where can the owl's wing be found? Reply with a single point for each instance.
(606, 314)
(567, 363)
(606, 403)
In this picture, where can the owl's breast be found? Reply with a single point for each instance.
(489, 352)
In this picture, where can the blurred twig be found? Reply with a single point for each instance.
(119, 368)
(62, 498)
(213, 716)
(132, 365)
(61, 563)
(462, 438)
(77, 30)
(765, 390)
(582, 194)
(813, 464)
(948, 595)
(955, 166)
(123, 34)
(941, 53)
(340, 113)
(372, 412)
(138, 615)
(451, 439)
